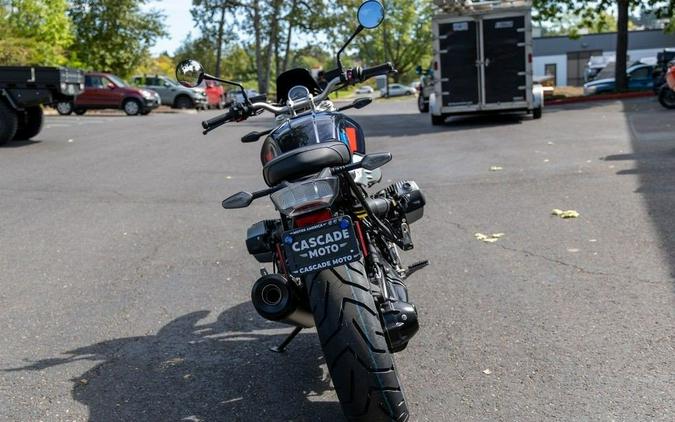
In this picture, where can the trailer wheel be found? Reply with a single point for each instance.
(8, 123)
(537, 112)
(438, 120)
(30, 123)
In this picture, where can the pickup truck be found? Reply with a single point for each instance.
(23, 92)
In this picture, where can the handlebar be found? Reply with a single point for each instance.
(242, 112)
(383, 69)
(218, 121)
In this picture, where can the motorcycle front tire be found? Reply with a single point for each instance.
(353, 343)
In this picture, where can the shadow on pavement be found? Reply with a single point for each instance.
(19, 143)
(220, 371)
(399, 125)
(653, 144)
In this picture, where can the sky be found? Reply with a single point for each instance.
(178, 23)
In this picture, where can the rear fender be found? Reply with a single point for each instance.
(434, 106)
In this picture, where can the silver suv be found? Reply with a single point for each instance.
(172, 93)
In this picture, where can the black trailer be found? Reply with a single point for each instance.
(23, 92)
(483, 59)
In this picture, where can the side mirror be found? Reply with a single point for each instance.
(110, 85)
(375, 161)
(238, 200)
(189, 73)
(371, 14)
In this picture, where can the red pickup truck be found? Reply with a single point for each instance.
(215, 95)
(105, 90)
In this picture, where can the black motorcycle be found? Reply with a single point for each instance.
(334, 250)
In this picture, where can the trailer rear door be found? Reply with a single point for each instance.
(505, 59)
(459, 54)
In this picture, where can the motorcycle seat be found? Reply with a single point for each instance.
(304, 161)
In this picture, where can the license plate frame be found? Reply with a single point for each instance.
(321, 246)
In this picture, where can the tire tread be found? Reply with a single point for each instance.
(354, 345)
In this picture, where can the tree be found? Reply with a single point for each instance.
(163, 64)
(114, 35)
(36, 32)
(201, 49)
(210, 16)
(237, 62)
(589, 10)
(404, 38)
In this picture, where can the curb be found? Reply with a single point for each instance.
(601, 97)
(48, 111)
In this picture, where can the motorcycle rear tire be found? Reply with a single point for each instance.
(353, 342)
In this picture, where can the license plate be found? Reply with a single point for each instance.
(321, 246)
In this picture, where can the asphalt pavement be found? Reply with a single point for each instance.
(125, 287)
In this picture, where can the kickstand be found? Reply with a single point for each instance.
(282, 347)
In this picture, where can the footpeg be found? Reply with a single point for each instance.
(416, 267)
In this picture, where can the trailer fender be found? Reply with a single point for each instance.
(434, 107)
(537, 96)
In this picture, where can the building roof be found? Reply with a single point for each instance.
(637, 40)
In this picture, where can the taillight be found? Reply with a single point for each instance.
(436, 65)
(306, 197)
(312, 218)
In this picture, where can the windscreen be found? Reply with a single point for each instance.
(305, 130)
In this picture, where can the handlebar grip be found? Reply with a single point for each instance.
(219, 120)
(382, 69)
(258, 99)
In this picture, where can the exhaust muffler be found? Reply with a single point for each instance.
(278, 299)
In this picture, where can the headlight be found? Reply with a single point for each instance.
(148, 95)
(305, 197)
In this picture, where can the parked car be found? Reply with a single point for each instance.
(595, 65)
(397, 90)
(172, 93)
(215, 95)
(234, 95)
(105, 90)
(365, 90)
(639, 79)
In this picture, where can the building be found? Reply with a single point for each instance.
(566, 58)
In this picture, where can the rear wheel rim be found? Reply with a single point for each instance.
(131, 107)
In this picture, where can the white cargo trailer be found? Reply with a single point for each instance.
(483, 60)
